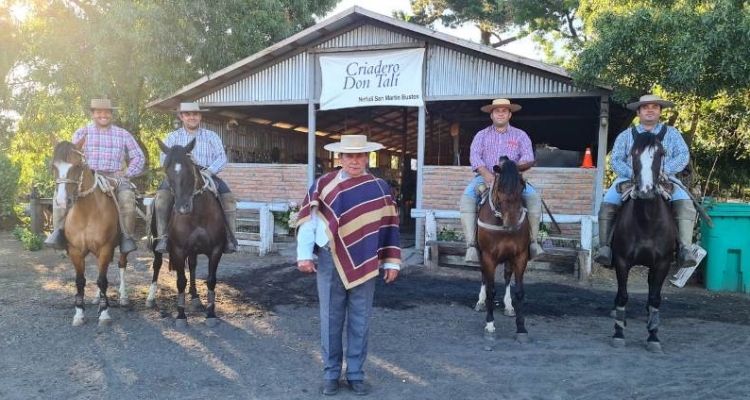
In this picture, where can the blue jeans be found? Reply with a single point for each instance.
(471, 189)
(612, 197)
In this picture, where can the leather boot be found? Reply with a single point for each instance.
(230, 213)
(534, 206)
(684, 215)
(56, 239)
(163, 203)
(607, 213)
(126, 202)
(468, 208)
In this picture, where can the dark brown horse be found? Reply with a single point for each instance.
(197, 226)
(503, 237)
(91, 224)
(644, 233)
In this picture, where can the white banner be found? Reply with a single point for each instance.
(373, 78)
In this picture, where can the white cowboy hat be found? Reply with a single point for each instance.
(504, 103)
(353, 144)
(102, 104)
(190, 107)
(650, 99)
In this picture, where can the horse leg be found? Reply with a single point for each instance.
(151, 299)
(488, 277)
(179, 267)
(213, 265)
(195, 300)
(621, 299)
(519, 267)
(103, 259)
(122, 263)
(482, 298)
(656, 277)
(78, 260)
(507, 301)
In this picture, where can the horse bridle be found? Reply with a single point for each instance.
(498, 214)
(99, 181)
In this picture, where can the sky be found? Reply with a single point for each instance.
(523, 47)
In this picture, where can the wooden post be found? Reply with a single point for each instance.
(37, 212)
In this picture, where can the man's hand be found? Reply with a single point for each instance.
(390, 275)
(306, 266)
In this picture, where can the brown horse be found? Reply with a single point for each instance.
(197, 226)
(91, 223)
(503, 237)
(644, 233)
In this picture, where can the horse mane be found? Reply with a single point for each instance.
(507, 181)
(644, 141)
(62, 151)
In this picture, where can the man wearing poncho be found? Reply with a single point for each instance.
(349, 219)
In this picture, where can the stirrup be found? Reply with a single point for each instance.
(56, 240)
(535, 250)
(604, 257)
(472, 255)
(161, 246)
(127, 245)
(685, 258)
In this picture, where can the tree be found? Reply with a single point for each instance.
(69, 51)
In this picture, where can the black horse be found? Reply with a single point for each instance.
(644, 233)
(191, 233)
(503, 237)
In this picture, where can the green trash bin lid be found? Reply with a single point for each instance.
(728, 210)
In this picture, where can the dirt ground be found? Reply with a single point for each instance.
(426, 341)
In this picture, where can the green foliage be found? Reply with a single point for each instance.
(30, 241)
(448, 234)
(8, 185)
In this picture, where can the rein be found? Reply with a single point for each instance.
(498, 214)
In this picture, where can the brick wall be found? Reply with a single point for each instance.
(267, 182)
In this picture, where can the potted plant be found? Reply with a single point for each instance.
(286, 221)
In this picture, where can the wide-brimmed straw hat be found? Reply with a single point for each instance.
(650, 99)
(102, 104)
(353, 144)
(189, 107)
(504, 103)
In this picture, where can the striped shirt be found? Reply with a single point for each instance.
(208, 152)
(489, 145)
(106, 149)
(674, 161)
(361, 223)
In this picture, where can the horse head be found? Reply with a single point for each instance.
(67, 166)
(181, 175)
(507, 193)
(647, 153)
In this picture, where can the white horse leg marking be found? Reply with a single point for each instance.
(104, 317)
(151, 299)
(489, 327)
(509, 310)
(124, 301)
(482, 298)
(78, 319)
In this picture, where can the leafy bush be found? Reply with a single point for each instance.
(30, 240)
(8, 185)
(448, 234)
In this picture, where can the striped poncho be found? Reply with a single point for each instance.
(361, 223)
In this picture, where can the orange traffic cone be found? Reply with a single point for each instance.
(587, 161)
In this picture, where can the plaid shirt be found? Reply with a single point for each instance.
(105, 149)
(208, 152)
(489, 145)
(676, 159)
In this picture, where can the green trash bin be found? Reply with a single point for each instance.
(728, 245)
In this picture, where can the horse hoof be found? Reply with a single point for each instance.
(212, 322)
(150, 303)
(79, 321)
(509, 312)
(105, 322)
(181, 323)
(618, 343)
(523, 338)
(654, 347)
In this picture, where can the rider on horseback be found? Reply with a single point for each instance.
(499, 139)
(209, 154)
(105, 149)
(649, 109)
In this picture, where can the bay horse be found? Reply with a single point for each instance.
(503, 231)
(91, 224)
(197, 226)
(644, 233)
